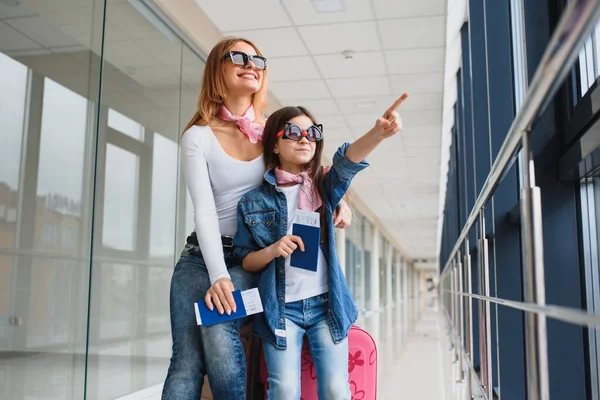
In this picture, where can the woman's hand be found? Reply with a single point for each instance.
(342, 215)
(220, 294)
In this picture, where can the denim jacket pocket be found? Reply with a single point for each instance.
(261, 224)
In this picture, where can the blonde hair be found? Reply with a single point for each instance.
(213, 90)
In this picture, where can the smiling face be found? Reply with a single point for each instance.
(242, 79)
(294, 155)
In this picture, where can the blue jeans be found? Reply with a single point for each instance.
(308, 317)
(214, 350)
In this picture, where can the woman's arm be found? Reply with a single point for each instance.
(206, 222)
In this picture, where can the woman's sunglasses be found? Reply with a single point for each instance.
(293, 132)
(241, 58)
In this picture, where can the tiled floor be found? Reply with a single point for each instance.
(409, 366)
(416, 373)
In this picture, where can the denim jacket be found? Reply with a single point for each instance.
(262, 221)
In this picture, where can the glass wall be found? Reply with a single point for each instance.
(89, 187)
(355, 259)
(383, 271)
(367, 234)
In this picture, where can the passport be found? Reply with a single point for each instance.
(247, 302)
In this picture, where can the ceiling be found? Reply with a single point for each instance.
(400, 46)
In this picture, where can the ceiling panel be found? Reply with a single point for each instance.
(352, 87)
(413, 33)
(425, 117)
(162, 49)
(422, 141)
(129, 20)
(368, 104)
(282, 42)
(423, 101)
(305, 13)
(332, 121)
(363, 64)
(322, 107)
(292, 69)
(10, 40)
(125, 55)
(364, 121)
(38, 30)
(413, 61)
(417, 83)
(231, 15)
(396, 9)
(355, 36)
(7, 11)
(299, 90)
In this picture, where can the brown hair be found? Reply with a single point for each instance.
(213, 90)
(276, 123)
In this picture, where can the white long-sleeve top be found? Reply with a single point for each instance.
(216, 182)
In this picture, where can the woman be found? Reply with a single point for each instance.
(222, 159)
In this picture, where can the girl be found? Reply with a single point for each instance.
(222, 158)
(315, 302)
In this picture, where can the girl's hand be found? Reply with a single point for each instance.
(342, 215)
(220, 294)
(390, 123)
(286, 246)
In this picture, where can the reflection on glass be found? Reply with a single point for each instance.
(116, 294)
(13, 91)
(164, 197)
(125, 125)
(60, 176)
(120, 199)
(157, 301)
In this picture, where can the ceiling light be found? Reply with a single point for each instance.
(326, 6)
(370, 104)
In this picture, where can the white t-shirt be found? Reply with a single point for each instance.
(301, 284)
(216, 182)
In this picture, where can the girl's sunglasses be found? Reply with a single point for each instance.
(293, 132)
(241, 58)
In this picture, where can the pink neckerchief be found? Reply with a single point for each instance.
(245, 122)
(309, 195)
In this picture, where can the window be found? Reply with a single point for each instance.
(68, 240)
(120, 199)
(589, 61)
(49, 235)
(125, 125)
(13, 93)
(164, 197)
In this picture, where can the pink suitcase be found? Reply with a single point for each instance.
(362, 368)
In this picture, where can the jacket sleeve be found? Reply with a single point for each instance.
(340, 175)
(243, 241)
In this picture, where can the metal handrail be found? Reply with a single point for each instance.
(576, 24)
(565, 314)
